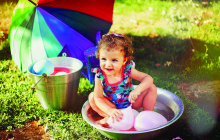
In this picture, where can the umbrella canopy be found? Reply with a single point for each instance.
(50, 27)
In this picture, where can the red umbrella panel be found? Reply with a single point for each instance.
(50, 27)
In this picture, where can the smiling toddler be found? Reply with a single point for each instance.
(113, 81)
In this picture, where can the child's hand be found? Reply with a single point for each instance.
(133, 96)
(115, 114)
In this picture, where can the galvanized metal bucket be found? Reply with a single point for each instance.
(58, 92)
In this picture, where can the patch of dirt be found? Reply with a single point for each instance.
(206, 94)
(30, 131)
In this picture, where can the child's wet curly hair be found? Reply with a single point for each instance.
(113, 41)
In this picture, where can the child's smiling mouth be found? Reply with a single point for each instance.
(108, 69)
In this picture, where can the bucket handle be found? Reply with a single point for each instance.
(44, 75)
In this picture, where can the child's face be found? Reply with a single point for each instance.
(111, 61)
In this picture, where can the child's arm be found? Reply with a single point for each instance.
(146, 81)
(103, 103)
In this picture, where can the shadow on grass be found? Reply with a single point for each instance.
(5, 53)
(189, 55)
(8, 1)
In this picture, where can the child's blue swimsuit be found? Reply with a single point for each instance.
(117, 93)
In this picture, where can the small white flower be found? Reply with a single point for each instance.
(133, 21)
(207, 21)
(163, 12)
(150, 8)
(168, 63)
(45, 129)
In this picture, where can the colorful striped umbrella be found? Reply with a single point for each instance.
(49, 28)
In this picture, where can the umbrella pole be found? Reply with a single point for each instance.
(32, 2)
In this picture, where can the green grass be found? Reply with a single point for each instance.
(6, 10)
(161, 31)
